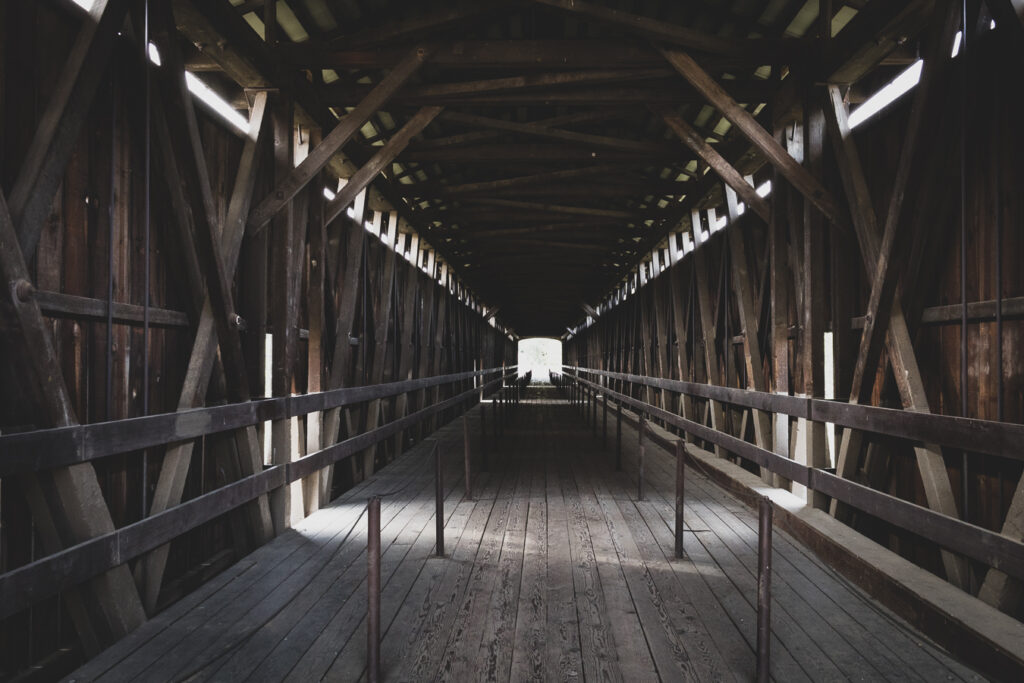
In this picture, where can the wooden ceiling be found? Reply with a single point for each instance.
(549, 171)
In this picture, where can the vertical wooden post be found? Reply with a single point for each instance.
(764, 589)
(811, 444)
(680, 485)
(373, 590)
(286, 504)
(469, 471)
(593, 413)
(439, 496)
(779, 287)
(315, 365)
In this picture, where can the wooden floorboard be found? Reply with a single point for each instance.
(555, 571)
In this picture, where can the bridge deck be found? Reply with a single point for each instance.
(554, 572)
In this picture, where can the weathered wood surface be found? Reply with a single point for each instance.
(554, 572)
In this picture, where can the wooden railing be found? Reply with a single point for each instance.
(981, 436)
(53, 448)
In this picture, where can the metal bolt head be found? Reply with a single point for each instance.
(23, 290)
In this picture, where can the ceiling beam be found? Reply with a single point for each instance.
(696, 142)
(669, 90)
(543, 131)
(555, 79)
(436, 20)
(560, 208)
(876, 31)
(768, 50)
(372, 168)
(496, 154)
(301, 175)
(507, 54)
(778, 157)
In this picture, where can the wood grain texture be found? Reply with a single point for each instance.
(554, 572)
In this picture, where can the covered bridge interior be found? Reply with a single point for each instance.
(263, 261)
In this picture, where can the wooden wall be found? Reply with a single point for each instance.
(406, 324)
(640, 334)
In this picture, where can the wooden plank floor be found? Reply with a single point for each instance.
(554, 572)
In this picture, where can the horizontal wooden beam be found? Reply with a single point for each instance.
(989, 547)
(977, 312)
(768, 50)
(561, 208)
(504, 54)
(498, 153)
(60, 305)
(668, 91)
(538, 130)
(46, 449)
(404, 27)
(530, 80)
(22, 587)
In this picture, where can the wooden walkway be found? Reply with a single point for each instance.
(555, 572)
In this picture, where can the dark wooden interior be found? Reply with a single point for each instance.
(218, 319)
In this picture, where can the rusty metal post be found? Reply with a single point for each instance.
(680, 484)
(439, 495)
(618, 437)
(494, 419)
(764, 588)
(469, 471)
(604, 423)
(373, 590)
(640, 461)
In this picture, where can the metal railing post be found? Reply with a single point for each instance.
(640, 462)
(439, 495)
(680, 485)
(604, 423)
(764, 588)
(618, 437)
(469, 471)
(373, 590)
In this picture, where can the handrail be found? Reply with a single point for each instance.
(21, 587)
(44, 449)
(1003, 439)
(989, 547)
